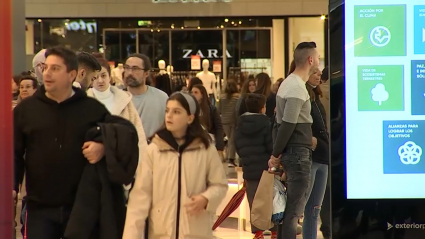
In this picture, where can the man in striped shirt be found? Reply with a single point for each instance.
(293, 145)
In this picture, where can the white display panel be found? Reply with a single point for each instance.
(385, 98)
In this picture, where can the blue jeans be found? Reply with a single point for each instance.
(296, 162)
(316, 192)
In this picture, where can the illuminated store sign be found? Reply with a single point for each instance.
(212, 53)
(186, 1)
(81, 25)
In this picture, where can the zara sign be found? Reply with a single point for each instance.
(211, 54)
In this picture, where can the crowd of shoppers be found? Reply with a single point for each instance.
(140, 163)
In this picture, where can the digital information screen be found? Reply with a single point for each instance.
(385, 98)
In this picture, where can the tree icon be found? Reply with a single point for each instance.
(379, 94)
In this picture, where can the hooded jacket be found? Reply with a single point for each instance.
(51, 135)
(166, 179)
(254, 145)
(99, 208)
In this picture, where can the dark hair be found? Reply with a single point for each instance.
(102, 61)
(194, 81)
(205, 107)
(195, 129)
(26, 73)
(302, 52)
(32, 78)
(146, 61)
(291, 68)
(85, 59)
(69, 57)
(325, 74)
(231, 88)
(264, 84)
(17, 79)
(245, 87)
(254, 102)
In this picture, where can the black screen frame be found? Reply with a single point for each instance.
(358, 218)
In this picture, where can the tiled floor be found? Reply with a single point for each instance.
(225, 233)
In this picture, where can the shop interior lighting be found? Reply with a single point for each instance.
(199, 27)
(221, 26)
(233, 23)
(240, 22)
(159, 30)
(323, 17)
(172, 26)
(182, 27)
(39, 20)
(226, 20)
(151, 30)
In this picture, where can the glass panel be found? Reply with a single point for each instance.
(76, 34)
(206, 43)
(155, 45)
(146, 43)
(119, 45)
(233, 47)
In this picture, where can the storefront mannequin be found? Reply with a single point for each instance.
(117, 75)
(170, 69)
(162, 80)
(209, 80)
(161, 66)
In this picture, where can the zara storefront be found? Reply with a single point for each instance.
(235, 35)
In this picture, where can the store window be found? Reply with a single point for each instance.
(76, 34)
(155, 44)
(251, 51)
(120, 44)
(306, 29)
(206, 43)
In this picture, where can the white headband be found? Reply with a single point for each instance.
(190, 101)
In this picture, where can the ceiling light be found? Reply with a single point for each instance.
(159, 30)
(39, 20)
(221, 26)
(182, 27)
(323, 17)
(226, 20)
(151, 30)
(233, 22)
(240, 22)
(199, 27)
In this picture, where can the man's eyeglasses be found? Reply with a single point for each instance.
(133, 68)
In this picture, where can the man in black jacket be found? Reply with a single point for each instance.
(50, 129)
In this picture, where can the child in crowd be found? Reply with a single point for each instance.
(253, 141)
(180, 182)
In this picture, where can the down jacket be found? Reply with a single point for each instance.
(100, 204)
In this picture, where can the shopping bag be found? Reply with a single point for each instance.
(262, 205)
(279, 201)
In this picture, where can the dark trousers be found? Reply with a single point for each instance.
(47, 223)
(296, 162)
(251, 189)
